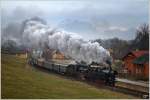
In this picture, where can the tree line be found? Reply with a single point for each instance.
(120, 48)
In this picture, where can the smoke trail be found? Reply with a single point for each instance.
(70, 44)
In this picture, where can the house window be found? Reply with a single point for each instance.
(139, 69)
(129, 71)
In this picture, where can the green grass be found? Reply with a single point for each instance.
(20, 80)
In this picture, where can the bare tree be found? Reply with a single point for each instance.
(141, 41)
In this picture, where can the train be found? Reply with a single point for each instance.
(76, 70)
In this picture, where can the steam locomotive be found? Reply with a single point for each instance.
(81, 71)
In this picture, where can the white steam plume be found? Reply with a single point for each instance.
(70, 44)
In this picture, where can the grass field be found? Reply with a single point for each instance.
(20, 80)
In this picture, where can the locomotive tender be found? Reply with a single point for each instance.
(81, 71)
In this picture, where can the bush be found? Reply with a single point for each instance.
(117, 65)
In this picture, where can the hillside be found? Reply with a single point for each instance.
(20, 80)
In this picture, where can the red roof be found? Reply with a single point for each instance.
(139, 53)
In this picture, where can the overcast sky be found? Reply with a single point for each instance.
(91, 19)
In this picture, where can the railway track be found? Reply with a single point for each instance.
(141, 94)
(121, 89)
(133, 87)
(130, 89)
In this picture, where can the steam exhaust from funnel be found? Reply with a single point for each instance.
(36, 34)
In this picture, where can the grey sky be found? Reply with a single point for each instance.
(91, 19)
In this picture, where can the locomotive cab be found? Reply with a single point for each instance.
(101, 73)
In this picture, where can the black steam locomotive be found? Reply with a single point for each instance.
(82, 71)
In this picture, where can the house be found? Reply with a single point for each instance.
(142, 65)
(58, 55)
(50, 54)
(137, 63)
